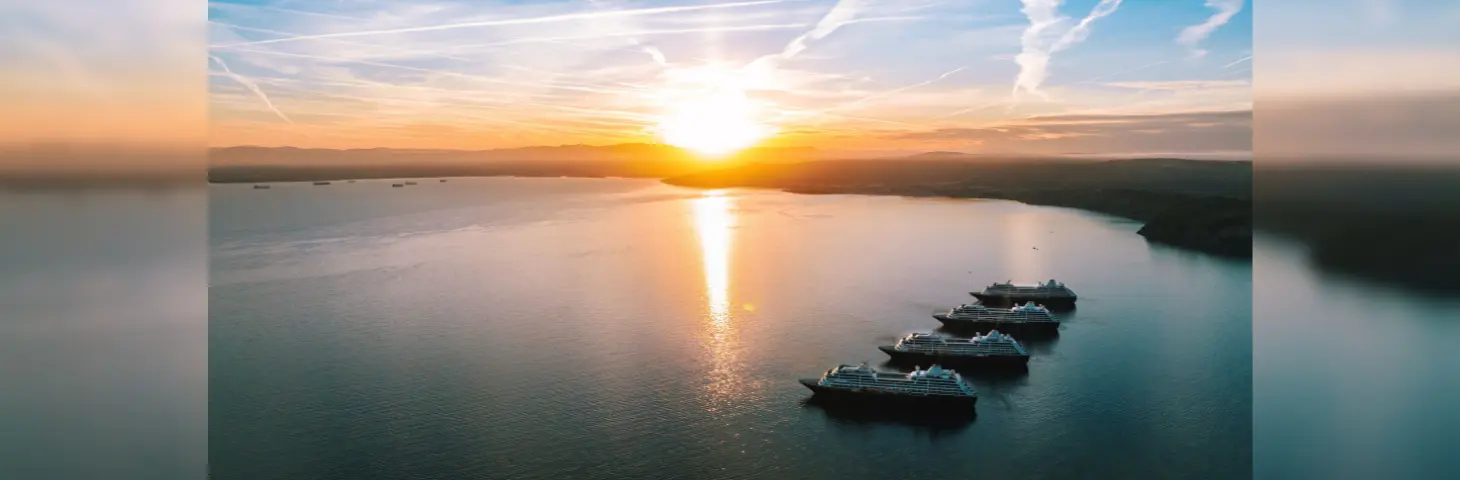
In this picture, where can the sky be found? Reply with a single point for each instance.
(103, 71)
(1030, 76)
(1358, 81)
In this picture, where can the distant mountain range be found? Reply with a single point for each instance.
(251, 164)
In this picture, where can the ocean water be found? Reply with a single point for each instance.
(103, 334)
(1352, 379)
(608, 328)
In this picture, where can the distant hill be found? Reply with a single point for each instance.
(252, 164)
(1395, 223)
(1198, 204)
(245, 156)
(1231, 179)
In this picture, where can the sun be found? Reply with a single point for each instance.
(717, 123)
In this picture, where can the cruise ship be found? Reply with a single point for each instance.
(1027, 319)
(1052, 293)
(934, 386)
(992, 350)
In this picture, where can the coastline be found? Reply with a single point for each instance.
(1202, 206)
(1342, 215)
(1209, 224)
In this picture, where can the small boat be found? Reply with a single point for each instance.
(443, 180)
(397, 185)
(410, 183)
(261, 187)
(321, 183)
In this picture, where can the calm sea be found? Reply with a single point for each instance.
(602, 328)
(558, 328)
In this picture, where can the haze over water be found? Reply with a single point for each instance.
(587, 328)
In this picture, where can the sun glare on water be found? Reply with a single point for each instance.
(717, 122)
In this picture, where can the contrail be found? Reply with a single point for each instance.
(228, 6)
(342, 42)
(519, 21)
(894, 91)
(467, 76)
(425, 70)
(840, 14)
(1123, 72)
(1033, 59)
(1082, 30)
(969, 109)
(251, 86)
(1240, 60)
(1191, 36)
(733, 28)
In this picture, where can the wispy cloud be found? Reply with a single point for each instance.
(1181, 84)
(629, 33)
(519, 21)
(1193, 35)
(1036, 46)
(480, 78)
(360, 74)
(1215, 131)
(389, 51)
(249, 84)
(657, 55)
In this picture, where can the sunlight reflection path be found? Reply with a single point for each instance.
(714, 219)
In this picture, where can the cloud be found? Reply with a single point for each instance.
(1373, 128)
(123, 71)
(1217, 116)
(1036, 47)
(518, 21)
(1193, 35)
(251, 86)
(657, 55)
(1200, 131)
(551, 81)
(631, 33)
(1181, 84)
